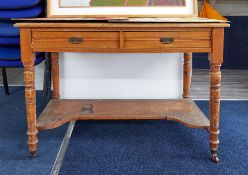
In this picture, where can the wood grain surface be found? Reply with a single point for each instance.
(59, 112)
(28, 58)
(187, 71)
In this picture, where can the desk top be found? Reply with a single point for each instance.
(120, 22)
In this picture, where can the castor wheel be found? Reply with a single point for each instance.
(32, 154)
(215, 157)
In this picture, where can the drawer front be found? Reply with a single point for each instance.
(84, 40)
(153, 40)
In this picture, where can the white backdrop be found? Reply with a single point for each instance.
(120, 76)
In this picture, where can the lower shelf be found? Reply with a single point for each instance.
(59, 112)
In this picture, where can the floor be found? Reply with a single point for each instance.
(15, 77)
(234, 83)
(14, 157)
(158, 147)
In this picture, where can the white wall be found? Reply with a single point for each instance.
(120, 76)
(39, 75)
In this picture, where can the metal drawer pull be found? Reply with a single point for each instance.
(87, 109)
(75, 40)
(166, 40)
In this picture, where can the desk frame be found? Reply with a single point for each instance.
(28, 50)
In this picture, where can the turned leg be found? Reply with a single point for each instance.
(187, 74)
(215, 59)
(30, 96)
(28, 60)
(55, 74)
(215, 92)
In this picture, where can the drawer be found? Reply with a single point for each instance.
(177, 39)
(85, 40)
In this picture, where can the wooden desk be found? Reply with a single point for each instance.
(105, 37)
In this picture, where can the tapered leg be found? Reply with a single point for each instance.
(215, 92)
(30, 96)
(55, 74)
(5, 81)
(187, 74)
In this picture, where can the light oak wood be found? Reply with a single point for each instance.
(59, 112)
(215, 59)
(64, 43)
(28, 59)
(154, 44)
(187, 70)
(86, 35)
(55, 74)
(108, 50)
(95, 40)
(103, 26)
(123, 38)
(187, 34)
(186, 39)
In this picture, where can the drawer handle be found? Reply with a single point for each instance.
(166, 40)
(87, 109)
(75, 40)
